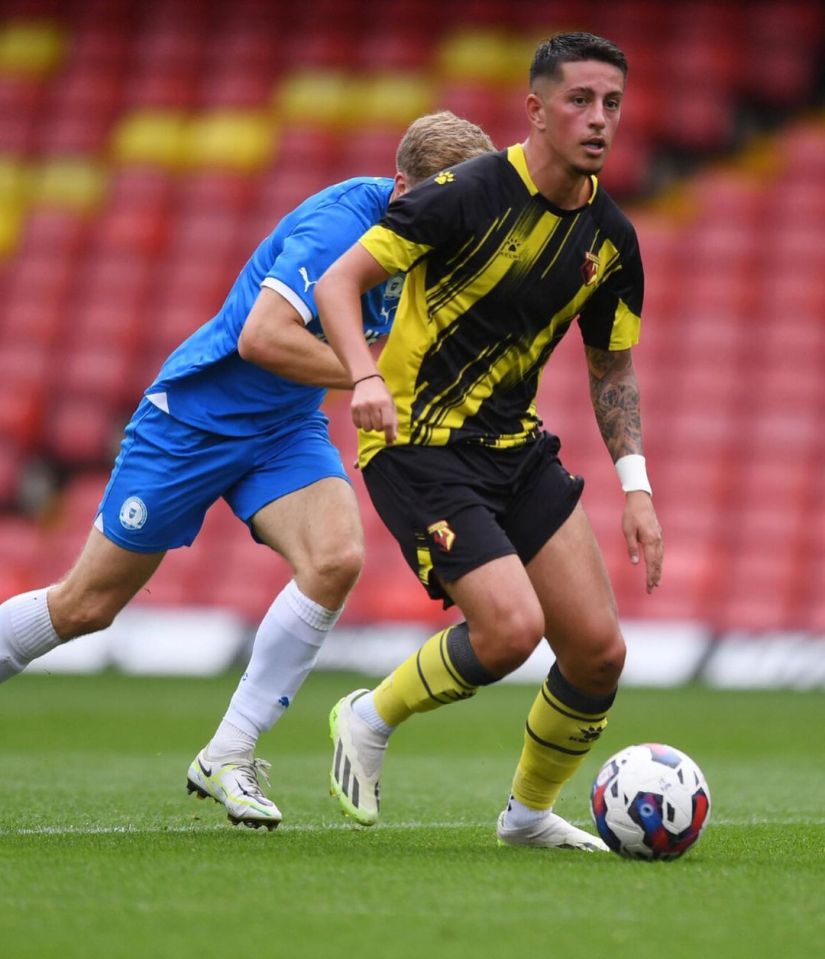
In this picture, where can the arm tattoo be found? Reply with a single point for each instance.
(614, 392)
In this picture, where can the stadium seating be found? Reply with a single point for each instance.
(145, 148)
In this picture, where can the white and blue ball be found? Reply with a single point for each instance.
(650, 801)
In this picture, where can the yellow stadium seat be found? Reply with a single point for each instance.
(11, 219)
(69, 183)
(14, 179)
(317, 98)
(392, 98)
(15, 188)
(33, 47)
(484, 54)
(241, 140)
(157, 137)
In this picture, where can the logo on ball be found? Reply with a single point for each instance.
(133, 513)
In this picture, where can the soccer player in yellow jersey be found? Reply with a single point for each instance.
(502, 254)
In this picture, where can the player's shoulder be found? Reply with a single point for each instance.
(448, 188)
(482, 167)
(357, 192)
(612, 219)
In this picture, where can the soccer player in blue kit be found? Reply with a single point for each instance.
(235, 413)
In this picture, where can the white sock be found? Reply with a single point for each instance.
(26, 631)
(518, 815)
(284, 651)
(364, 708)
(229, 742)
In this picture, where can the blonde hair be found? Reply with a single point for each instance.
(436, 141)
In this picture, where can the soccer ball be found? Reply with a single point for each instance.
(650, 802)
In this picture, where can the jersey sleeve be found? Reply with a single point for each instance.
(611, 317)
(313, 245)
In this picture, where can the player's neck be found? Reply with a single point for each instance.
(565, 188)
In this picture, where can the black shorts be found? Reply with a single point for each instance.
(455, 508)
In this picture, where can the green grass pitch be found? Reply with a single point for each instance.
(103, 854)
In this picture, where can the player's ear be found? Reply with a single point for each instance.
(535, 110)
(402, 184)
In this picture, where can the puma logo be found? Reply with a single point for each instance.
(305, 277)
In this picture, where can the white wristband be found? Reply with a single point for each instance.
(632, 473)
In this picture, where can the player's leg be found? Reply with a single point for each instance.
(449, 535)
(503, 625)
(310, 517)
(318, 531)
(140, 517)
(102, 581)
(570, 711)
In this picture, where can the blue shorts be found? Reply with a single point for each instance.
(168, 474)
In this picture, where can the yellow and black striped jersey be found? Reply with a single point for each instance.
(495, 276)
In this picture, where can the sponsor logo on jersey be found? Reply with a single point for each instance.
(590, 269)
(394, 286)
(442, 534)
(133, 513)
(389, 304)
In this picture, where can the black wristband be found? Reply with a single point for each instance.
(369, 376)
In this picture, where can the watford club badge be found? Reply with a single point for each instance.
(442, 534)
(590, 269)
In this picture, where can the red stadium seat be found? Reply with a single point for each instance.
(61, 232)
(99, 370)
(11, 478)
(78, 502)
(783, 43)
(305, 150)
(31, 316)
(20, 102)
(81, 433)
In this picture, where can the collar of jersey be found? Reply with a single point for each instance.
(515, 154)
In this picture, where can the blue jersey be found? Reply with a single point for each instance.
(206, 384)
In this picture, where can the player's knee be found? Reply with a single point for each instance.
(598, 664)
(504, 645)
(337, 570)
(609, 662)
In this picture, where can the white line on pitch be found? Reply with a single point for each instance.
(325, 827)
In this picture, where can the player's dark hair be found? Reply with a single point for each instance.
(570, 48)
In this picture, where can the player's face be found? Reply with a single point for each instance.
(576, 115)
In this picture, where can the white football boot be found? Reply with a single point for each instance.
(236, 786)
(548, 832)
(358, 754)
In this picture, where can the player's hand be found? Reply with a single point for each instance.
(373, 408)
(643, 535)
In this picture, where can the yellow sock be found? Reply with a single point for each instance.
(562, 726)
(445, 670)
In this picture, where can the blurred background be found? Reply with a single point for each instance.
(147, 147)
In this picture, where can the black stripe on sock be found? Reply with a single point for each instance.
(560, 749)
(575, 698)
(464, 659)
(425, 684)
(553, 704)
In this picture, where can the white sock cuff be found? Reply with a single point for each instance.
(312, 613)
(364, 707)
(31, 624)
